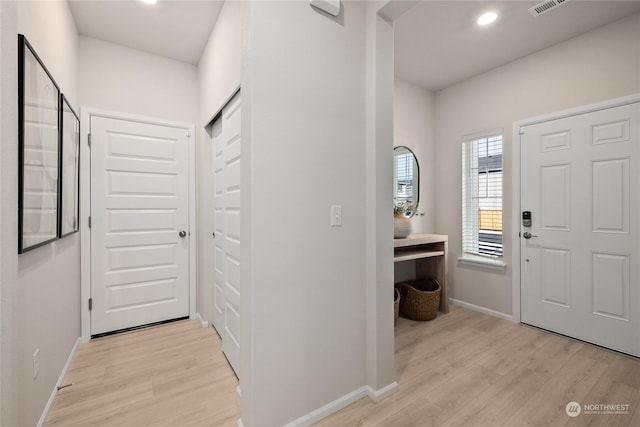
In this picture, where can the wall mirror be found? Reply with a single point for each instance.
(406, 181)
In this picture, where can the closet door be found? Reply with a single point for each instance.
(226, 289)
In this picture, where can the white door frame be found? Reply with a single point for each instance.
(516, 180)
(85, 208)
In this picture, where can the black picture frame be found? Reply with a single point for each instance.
(39, 150)
(69, 177)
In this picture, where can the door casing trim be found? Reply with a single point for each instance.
(516, 179)
(85, 207)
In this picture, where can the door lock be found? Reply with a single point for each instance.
(528, 235)
(182, 233)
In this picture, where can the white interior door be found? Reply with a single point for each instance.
(580, 268)
(226, 292)
(139, 211)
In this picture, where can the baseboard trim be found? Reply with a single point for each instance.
(343, 402)
(481, 309)
(329, 408)
(203, 323)
(383, 393)
(54, 393)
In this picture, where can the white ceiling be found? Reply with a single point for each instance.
(177, 29)
(437, 43)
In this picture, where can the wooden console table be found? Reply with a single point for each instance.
(430, 251)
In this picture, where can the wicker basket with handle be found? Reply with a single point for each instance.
(419, 299)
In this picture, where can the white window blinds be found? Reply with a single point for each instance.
(403, 177)
(482, 195)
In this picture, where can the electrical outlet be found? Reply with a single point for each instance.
(36, 362)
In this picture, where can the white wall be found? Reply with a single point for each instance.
(50, 29)
(600, 65)
(8, 203)
(120, 79)
(40, 289)
(219, 76)
(304, 295)
(380, 360)
(219, 68)
(414, 127)
(2, 276)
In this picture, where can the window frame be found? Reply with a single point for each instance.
(470, 224)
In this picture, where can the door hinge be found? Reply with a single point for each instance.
(89, 140)
(521, 132)
(89, 221)
(189, 133)
(90, 304)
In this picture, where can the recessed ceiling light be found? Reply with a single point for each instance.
(149, 1)
(487, 18)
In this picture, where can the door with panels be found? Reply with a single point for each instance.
(580, 257)
(139, 223)
(226, 286)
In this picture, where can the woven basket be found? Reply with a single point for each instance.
(396, 306)
(419, 299)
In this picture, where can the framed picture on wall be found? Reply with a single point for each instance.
(38, 139)
(69, 169)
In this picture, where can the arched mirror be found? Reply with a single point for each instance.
(406, 181)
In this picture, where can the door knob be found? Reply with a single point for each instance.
(528, 235)
(182, 233)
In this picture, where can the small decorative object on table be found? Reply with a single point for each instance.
(401, 222)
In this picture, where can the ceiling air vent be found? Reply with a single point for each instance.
(545, 7)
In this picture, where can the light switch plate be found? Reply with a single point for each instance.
(336, 216)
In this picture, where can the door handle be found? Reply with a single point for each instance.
(182, 233)
(528, 235)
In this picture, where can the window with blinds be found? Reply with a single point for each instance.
(403, 178)
(482, 195)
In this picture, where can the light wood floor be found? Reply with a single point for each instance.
(469, 369)
(171, 375)
(461, 369)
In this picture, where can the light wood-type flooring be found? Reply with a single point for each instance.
(461, 369)
(170, 375)
(470, 369)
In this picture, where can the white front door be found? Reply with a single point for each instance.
(139, 211)
(580, 266)
(226, 289)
